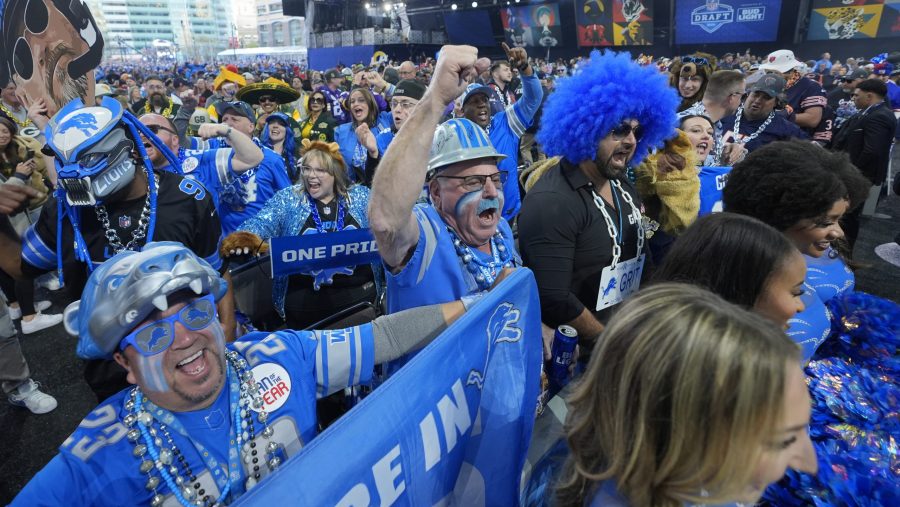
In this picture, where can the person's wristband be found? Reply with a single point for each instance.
(23, 177)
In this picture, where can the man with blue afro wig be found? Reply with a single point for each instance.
(581, 225)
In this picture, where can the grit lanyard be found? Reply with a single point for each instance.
(620, 280)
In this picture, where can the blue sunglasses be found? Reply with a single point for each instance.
(157, 336)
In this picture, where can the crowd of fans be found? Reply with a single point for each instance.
(731, 186)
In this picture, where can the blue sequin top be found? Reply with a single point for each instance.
(286, 213)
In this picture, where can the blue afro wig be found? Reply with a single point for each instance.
(603, 92)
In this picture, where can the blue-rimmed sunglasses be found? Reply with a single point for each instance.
(157, 336)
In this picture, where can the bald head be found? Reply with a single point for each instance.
(165, 131)
(407, 70)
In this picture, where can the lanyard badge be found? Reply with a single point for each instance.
(620, 279)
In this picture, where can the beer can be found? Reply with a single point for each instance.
(564, 341)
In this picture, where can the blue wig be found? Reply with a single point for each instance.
(287, 147)
(603, 92)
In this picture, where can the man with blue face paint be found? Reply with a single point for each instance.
(204, 421)
(457, 245)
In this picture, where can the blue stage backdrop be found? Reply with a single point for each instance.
(469, 27)
(713, 21)
(450, 428)
(326, 58)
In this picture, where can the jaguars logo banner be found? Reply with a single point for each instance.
(450, 428)
(857, 19)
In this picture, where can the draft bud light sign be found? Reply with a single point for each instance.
(713, 21)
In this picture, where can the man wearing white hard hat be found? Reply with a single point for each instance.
(806, 100)
(458, 245)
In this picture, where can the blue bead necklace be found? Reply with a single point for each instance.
(484, 272)
(314, 210)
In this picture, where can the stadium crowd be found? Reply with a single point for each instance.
(728, 190)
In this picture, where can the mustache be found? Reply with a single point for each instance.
(486, 204)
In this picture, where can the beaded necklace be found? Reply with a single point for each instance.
(737, 126)
(484, 272)
(314, 211)
(148, 424)
(167, 112)
(9, 113)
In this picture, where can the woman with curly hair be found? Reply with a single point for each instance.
(850, 339)
(322, 202)
(687, 400)
(690, 75)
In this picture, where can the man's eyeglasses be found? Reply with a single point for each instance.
(158, 336)
(622, 131)
(476, 182)
(698, 60)
(156, 128)
(405, 105)
(306, 170)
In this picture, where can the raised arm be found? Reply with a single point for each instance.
(247, 154)
(401, 174)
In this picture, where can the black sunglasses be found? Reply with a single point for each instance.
(267, 98)
(319, 100)
(37, 18)
(156, 128)
(622, 131)
(695, 59)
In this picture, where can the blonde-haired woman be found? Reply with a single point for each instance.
(322, 202)
(688, 399)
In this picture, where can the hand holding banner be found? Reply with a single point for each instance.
(451, 427)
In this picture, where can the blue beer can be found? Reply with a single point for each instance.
(564, 341)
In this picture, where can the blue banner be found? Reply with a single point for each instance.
(714, 21)
(712, 181)
(295, 254)
(450, 428)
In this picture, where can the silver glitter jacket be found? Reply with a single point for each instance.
(286, 213)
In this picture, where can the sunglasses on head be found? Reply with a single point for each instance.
(158, 336)
(622, 131)
(698, 60)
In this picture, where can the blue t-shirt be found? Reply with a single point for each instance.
(383, 140)
(95, 465)
(828, 275)
(712, 181)
(893, 94)
(242, 196)
(435, 274)
(781, 129)
(505, 131)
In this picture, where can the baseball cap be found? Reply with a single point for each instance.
(347, 72)
(856, 74)
(237, 107)
(332, 74)
(883, 69)
(475, 89)
(409, 88)
(782, 60)
(770, 84)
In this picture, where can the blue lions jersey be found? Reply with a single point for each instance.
(244, 195)
(96, 466)
(505, 131)
(712, 181)
(209, 167)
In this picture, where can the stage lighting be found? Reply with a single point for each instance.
(452, 7)
(474, 4)
(387, 7)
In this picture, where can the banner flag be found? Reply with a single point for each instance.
(296, 254)
(450, 428)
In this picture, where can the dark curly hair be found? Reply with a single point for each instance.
(788, 181)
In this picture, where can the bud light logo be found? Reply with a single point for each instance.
(712, 16)
(274, 385)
